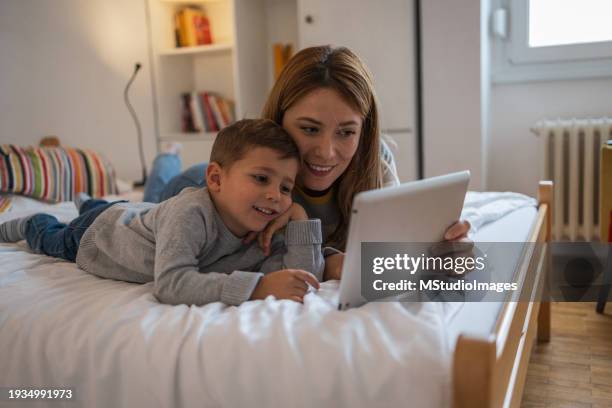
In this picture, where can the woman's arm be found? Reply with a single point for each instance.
(333, 266)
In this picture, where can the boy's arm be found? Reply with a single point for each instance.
(179, 241)
(301, 250)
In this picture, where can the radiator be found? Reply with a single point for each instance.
(570, 157)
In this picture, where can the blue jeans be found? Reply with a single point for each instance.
(46, 235)
(166, 179)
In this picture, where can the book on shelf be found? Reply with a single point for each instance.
(192, 28)
(214, 127)
(282, 55)
(214, 105)
(205, 112)
(187, 124)
(224, 110)
(202, 29)
(177, 31)
(198, 119)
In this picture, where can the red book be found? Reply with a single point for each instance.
(202, 29)
(214, 126)
(224, 111)
(203, 112)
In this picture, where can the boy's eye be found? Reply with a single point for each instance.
(260, 178)
(286, 189)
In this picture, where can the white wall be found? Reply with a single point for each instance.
(470, 123)
(485, 91)
(64, 71)
(382, 34)
(514, 151)
(452, 88)
(63, 67)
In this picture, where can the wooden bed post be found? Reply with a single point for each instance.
(473, 372)
(545, 197)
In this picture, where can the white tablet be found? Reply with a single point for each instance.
(418, 211)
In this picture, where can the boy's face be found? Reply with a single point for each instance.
(254, 190)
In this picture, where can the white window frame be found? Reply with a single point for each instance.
(515, 61)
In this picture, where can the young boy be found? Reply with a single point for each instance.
(191, 245)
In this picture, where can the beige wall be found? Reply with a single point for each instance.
(514, 152)
(454, 97)
(63, 67)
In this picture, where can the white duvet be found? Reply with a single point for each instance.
(116, 346)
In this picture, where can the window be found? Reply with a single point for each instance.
(550, 22)
(553, 39)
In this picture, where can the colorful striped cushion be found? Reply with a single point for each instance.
(54, 173)
(5, 203)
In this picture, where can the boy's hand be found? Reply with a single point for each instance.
(294, 213)
(285, 284)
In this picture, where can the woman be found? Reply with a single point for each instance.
(324, 98)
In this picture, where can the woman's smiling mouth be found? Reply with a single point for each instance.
(318, 170)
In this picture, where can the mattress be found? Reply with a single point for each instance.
(115, 345)
(478, 319)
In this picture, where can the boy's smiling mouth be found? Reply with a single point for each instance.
(266, 211)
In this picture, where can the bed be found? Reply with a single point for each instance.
(114, 345)
(489, 368)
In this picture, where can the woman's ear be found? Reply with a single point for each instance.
(213, 177)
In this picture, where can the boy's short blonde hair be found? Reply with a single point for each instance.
(234, 141)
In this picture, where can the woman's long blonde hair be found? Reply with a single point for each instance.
(341, 70)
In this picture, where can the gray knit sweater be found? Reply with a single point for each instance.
(185, 248)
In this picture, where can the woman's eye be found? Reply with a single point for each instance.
(309, 130)
(260, 178)
(346, 132)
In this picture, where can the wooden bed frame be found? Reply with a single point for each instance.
(491, 372)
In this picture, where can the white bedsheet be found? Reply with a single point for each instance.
(116, 346)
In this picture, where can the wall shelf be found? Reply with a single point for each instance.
(236, 66)
(201, 49)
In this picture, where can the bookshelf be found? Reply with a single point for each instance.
(237, 65)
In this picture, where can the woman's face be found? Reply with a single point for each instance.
(326, 130)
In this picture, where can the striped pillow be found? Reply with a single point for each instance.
(5, 203)
(54, 173)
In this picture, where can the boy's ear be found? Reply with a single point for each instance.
(213, 176)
